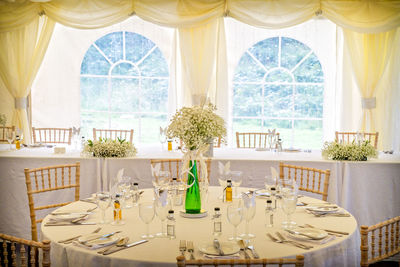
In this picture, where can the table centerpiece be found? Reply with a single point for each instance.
(194, 127)
(355, 151)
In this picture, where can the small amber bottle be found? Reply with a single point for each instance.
(228, 192)
(17, 142)
(169, 145)
(117, 210)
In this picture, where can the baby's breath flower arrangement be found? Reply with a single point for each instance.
(352, 151)
(194, 126)
(3, 119)
(108, 148)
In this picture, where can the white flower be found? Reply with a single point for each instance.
(352, 151)
(108, 148)
(194, 126)
(3, 119)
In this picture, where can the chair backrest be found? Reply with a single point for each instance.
(113, 134)
(298, 262)
(380, 241)
(3, 132)
(349, 137)
(309, 179)
(253, 140)
(174, 166)
(45, 179)
(25, 253)
(52, 135)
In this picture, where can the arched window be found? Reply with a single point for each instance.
(279, 83)
(124, 85)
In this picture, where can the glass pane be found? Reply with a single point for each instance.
(154, 95)
(284, 128)
(126, 122)
(94, 93)
(276, 124)
(247, 100)
(137, 46)
(266, 52)
(292, 52)
(111, 46)
(246, 125)
(151, 127)
(90, 120)
(279, 75)
(248, 70)
(310, 70)
(125, 95)
(94, 63)
(309, 101)
(125, 69)
(278, 100)
(308, 134)
(154, 65)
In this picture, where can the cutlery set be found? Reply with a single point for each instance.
(283, 240)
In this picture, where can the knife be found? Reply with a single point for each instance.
(303, 234)
(126, 246)
(101, 237)
(68, 224)
(217, 246)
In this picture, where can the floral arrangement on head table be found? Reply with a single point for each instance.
(350, 151)
(194, 126)
(3, 119)
(109, 148)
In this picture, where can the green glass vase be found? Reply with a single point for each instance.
(193, 201)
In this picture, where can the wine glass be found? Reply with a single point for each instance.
(249, 213)
(146, 214)
(124, 188)
(103, 200)
(235, 217)
(288, 191)
(161, 210)
(236, 178)
(10, 135)
(162, 137)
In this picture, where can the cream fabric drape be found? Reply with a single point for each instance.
(370, 54)
(23, 51)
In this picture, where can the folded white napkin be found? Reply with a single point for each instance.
(155, 170)
(162, 196)
(224, 169)
(274, 173)
(233, 256)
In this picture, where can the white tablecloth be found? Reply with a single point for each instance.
(369, 190)
(341, 251)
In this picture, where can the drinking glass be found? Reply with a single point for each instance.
(124, 189)
(10, 137)
(161, 180)
(161, 210)
(103, 200)
(162, 137)
(236, 177)
(146, 214)
(249, 213)
(235, 217)
(288, 192)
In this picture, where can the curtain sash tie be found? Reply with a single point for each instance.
(368, 102)
(20, 102)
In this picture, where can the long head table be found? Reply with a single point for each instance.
(339, 251)
(369, 190)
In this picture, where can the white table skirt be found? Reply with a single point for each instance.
(342, 251)
(369, 190)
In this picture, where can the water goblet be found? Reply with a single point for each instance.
(103, 200)
(124, 189)
(236, 177)
(235, 217)
(10, 137)
(248, 214)
(162, 137)
(146, 214)
(288, 192)
(161, 210)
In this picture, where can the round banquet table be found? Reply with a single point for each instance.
(340, 251)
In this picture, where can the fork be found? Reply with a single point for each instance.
(298, 244)
(255, 254)
(243, 248)
(190, 249)
(274, 239)
(69, 240)
(182, 247)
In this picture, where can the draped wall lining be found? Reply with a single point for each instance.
(365, 17)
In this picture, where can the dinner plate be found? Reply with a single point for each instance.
(323, 209)
(67, 217)
(99, 241)
(228, 248)
(313, 233)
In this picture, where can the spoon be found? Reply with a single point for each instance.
(122, 242)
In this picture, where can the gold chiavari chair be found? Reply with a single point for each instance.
(349, 137)
(380, 242)
(309, 179)
(3, 133)
(297, 262)
(52, 135)
(46, 179)
(23, 252)
(252, 140)
(113, 134)
(174, 166)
